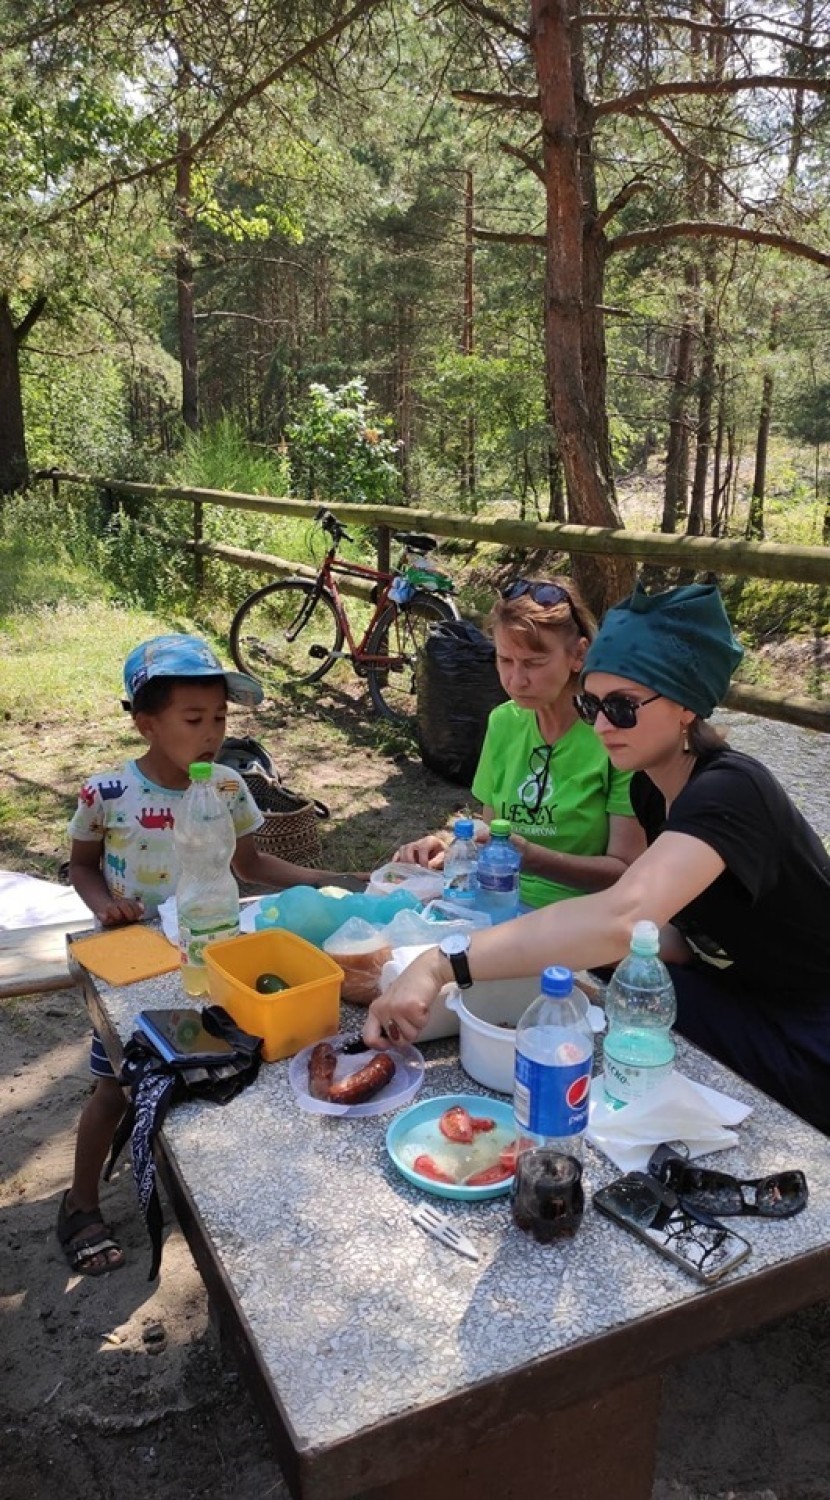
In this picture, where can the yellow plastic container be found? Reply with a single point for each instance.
(304, 1013)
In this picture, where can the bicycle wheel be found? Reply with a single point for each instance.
(286, 632)
(399, 635)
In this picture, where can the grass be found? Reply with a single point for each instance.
(60, 708)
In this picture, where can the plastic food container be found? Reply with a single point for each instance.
(298, 1016)
(487, 1015)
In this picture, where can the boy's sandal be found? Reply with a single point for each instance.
(80, 1253)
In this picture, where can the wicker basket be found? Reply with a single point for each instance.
(291, 827)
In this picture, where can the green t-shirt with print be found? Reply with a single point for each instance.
(560, 797)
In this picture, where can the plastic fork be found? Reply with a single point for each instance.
(442, 1228)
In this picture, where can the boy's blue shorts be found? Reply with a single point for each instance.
(99, 1064)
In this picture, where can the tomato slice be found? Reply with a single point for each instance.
(508, 1154)
(482, 1122)
(457, 1125)
(426, 1167)
(498, 1172)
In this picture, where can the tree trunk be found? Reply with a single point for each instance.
(14, 462)
(468, 457)
(697, 509)
(184, 283)
(675, 498)
(589, 482)
(755, 522)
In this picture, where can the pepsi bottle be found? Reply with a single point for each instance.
(552, 1088)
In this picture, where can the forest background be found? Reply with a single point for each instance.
(515, 259)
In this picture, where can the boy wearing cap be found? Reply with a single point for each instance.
(122, 864)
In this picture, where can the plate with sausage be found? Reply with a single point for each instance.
(330, 1081)
(456, 1146)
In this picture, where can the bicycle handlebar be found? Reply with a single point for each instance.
(329, 522)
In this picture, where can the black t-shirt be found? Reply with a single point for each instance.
(765, 921)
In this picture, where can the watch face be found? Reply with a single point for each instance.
(454, 942)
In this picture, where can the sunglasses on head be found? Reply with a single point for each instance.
(543, 593)
(618, 708)
(700, 1190)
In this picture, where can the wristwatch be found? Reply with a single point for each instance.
(455, 947)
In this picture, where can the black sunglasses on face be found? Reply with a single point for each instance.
(543, 593)
(619, 709)
(533, 792)
(700, 1190)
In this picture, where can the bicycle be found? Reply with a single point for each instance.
(279, 631)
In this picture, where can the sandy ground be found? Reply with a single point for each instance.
(118, 1388)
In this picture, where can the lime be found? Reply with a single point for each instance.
(270, 984)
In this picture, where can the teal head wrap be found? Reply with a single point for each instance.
(678, 643)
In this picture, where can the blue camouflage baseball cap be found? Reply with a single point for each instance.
(185, 656)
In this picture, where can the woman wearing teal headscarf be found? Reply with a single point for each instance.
(733, 874)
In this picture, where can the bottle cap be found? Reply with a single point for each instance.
(200, 770)
(557, 980)
(645, 938)
(463, 828)
(500, 828)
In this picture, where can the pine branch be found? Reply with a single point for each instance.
(627, 103)
(527, 102)
(712, 229)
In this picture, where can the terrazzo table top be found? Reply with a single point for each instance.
(359, 1318)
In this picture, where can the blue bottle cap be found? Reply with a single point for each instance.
(463, 828)
(557, 980)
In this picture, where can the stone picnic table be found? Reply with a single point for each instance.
(390, 1368)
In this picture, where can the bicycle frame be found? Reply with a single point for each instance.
(326, 579)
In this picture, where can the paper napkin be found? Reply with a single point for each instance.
(678, 1109)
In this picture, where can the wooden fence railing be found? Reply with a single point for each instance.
(771, 560)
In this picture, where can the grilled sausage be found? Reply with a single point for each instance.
(365, 1083)
(321, 1066)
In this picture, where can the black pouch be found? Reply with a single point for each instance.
(155, 1085)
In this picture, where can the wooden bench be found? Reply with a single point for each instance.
(34, 958)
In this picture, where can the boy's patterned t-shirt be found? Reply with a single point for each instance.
(134, 820)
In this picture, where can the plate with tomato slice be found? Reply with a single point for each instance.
(456, 1146)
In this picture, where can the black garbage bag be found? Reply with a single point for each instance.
(457, 686)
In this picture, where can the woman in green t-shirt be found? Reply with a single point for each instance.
(541, 767)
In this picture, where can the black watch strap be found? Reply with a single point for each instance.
(460, 966)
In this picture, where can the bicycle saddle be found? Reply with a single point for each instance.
(415, 541)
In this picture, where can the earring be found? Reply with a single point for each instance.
(687, 749)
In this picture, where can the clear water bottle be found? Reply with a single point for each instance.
(641, 1009)
(460, 864)
(207, 897)
(499, 863)
(551, 1097)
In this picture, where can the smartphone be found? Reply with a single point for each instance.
(180, 1036)
(702, 1246)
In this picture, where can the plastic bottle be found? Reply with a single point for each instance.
(207, 897)
(460, 862)
(499, 863)
(552, 1091)
(641, 1008)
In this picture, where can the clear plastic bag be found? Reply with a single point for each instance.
(361, 950)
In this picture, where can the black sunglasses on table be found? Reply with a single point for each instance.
(543, 593)
(619, 709)
(701, 1190)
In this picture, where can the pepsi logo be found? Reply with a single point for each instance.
(577, 1092)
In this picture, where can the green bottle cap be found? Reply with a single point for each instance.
(200, 770)
(500, 828)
